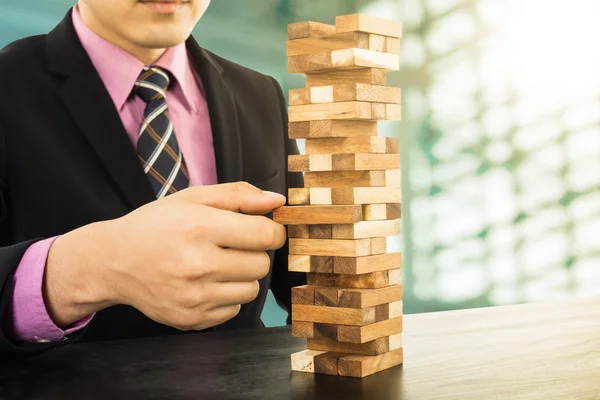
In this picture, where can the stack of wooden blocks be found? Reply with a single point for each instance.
(351, 310)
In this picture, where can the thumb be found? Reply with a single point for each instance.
(236, 197)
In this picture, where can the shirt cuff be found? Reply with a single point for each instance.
(30, 320)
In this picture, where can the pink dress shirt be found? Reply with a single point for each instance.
(28, 319)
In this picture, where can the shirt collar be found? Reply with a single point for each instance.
(119, 70)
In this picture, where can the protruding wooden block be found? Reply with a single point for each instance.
(378, 212)
(303, 295)
(334, 315)
(299, 96)
(363, 334)
(366, 229)
(369, 76)
(375, 347)
(298, 231)
(392, 178)
(366, 195)
(346, 92)
(298, 196)
(362, 366)
(318, 362)
(307, 29)
(330, 247)
(350, 179)
(368, 24)
(338, 41)
(331, 128)
(343, 59)
(342, 162)
(363, 298)
(371, 144)
(392, 45)
(306, 263)
(307, 215)
(386, 112)
(370, 280)
(350, 110)
(368, 264)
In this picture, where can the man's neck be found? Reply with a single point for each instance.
(145, 55)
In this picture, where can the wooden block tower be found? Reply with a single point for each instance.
(351, 310)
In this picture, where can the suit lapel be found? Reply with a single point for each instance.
(91, 107)
(223, 114)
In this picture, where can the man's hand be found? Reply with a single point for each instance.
(189, 260)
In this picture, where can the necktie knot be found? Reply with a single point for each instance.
(152, 84)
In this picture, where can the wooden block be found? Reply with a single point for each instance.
(324, 296)
(348, 59)
(378, 212)
(331, 128)
(364, 162)
(369, 76)
(377, 42)
(345, 179)
(392, 45)
(370, 144)
(298, 231)
(366, 195)
(363, 334)
(325, 331)
(318, 362)
(361, 366)
(306, 263)
(368, 264)
(388, 311)
(378, 245)
(306, 215)
(298, 196)
(303, 295)
(341, 196)
(378, 111)
(352, 92)
(299, 96)
(320, 232)
(370, 280)
(366, 229)
(320, 196)
(349, 110)
(393, 112)
(307, 29)
(338, 41)
(392, 178)
(304, 329)
(330, 247)
(342, 162)
(368, 24)
(334, 315)
(363, 298)
(375, 347)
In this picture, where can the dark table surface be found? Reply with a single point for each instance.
(536, 351)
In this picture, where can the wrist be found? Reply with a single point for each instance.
(74, 280)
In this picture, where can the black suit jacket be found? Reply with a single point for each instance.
(66, 161)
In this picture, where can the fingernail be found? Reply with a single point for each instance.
(274, 195)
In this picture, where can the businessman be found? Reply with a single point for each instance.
(138, 172)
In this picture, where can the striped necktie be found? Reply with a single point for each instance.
(157, 146)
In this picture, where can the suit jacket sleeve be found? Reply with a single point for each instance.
(10, 258)
(283, 280)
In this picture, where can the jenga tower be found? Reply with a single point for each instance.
(351, 310)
